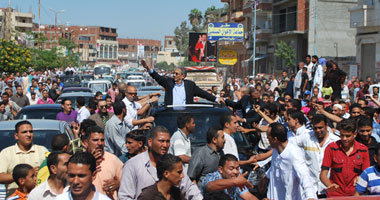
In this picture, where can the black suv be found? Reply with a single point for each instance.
(205, 116)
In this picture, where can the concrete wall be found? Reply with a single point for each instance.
(333, 26)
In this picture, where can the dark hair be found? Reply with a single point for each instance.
(65, 99)
(264, 95)
(226, 118)
(377, 147)
(81, 101)
(108, 97)
(84, 158)
(93, 129)
(87, 123)
(364, 121)
(20, 171)
(347, 125)
(363, 99)
(315, 57)
(32, 93)
(317, 118)
(52, 159)
(308, 56)
(295, 114)
(59, 141)
(166, 163)
(355, 105)
(137, 135)
(118, 107)
(212, 133)
(18, 86)
(296, 104)
(225, 158)
(279, 131)
(158, 129)
(23, 122)
(272, 108)
(6, 94)
(370, 112)
(98, 93)
(183, 119)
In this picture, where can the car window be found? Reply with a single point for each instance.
(98, 87)
(137, 84)
(39, 114)
(41, 137)
(73, 100)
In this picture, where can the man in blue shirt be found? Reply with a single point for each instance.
(177, 90)
(229, 179)
(369, 181)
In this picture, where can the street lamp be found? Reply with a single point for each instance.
(56, 18)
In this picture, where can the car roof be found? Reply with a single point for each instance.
(86, 94)
(193, 108)
(99, 81)
(150, 88)
(38, 124)
(42, 106)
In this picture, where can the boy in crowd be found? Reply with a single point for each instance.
(25, 178)
(368, 182)
(347, 159)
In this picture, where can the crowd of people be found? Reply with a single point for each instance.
(313, 135)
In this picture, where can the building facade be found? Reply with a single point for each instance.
(128, 49)
(365, 17)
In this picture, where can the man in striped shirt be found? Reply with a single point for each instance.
(369, 181)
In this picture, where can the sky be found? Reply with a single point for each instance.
(145, 19)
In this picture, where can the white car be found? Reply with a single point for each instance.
(137, 81)
(100, 85)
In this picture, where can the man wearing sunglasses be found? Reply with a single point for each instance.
(177, 90)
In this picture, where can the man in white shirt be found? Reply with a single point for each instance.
(80, 173)
(298, 81)
(180, 144)
(309, 66)
(134, 108)
(230, 125)
(273, 84)
(314, 144)
(56, 183)
(289, 177)
(296, 121)
(317, 74)
(83, 112)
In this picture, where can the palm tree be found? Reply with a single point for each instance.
(195, 18)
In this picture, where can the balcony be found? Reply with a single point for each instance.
(363, 16)
(237, 16)
(23, 25)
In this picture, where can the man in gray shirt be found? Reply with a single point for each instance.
(10, 106)
(116, 130)
(19, 98)
(206, 159)
(140, 171)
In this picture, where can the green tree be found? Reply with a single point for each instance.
(195, 18)
(285, 52)
(165, 66)
(182, 38)
(13, 57)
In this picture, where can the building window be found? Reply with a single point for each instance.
(101, 51)
(106, 51)
(81, 46)
(115, 51)
(170, 42)
(90, 46)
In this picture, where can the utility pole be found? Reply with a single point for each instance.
(7, 23)
(315, 27)
(254, 4)
(39, 16)
(55, 21)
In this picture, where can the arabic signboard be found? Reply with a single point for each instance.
(227, 57)
(225, 31)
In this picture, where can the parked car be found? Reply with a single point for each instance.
(73, 97)
(100, 85)
(133, 74)
(44, 131)
(76, 89)
(40, 111)
(137, 81)
(85, 78)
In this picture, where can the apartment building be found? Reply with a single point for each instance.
(128, 49)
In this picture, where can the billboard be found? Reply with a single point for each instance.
(225, 31)
(140, 51)
(200, 49)
(227, 57)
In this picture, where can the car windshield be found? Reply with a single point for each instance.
(41, 137)
(88, 78)
(137, 84)
(95, 87)
(70, 79)
(103, 69)
(73, 100)
(38, 114)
